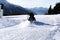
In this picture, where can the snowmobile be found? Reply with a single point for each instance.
(31, 18)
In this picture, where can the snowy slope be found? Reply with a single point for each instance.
(19, 28)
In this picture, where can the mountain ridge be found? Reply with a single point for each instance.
(11, 9)
(39, 10)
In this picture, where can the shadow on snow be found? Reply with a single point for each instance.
(40, 23)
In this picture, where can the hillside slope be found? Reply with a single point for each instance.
(11, 9)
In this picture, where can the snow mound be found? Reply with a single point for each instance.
(5, 22)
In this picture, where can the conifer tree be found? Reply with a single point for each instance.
(50, 10)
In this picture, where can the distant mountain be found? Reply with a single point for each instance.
(39, 10)
(11, 9)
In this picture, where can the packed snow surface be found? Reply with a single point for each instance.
(46, 27)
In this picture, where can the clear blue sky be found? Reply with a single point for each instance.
(34, 3)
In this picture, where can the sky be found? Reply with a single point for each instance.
(34, 3)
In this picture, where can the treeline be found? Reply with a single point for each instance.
(55, 10)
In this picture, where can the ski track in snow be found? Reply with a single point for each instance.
(19, 28)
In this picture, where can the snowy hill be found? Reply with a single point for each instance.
(19, 28)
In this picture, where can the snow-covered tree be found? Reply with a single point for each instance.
(1, 10)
